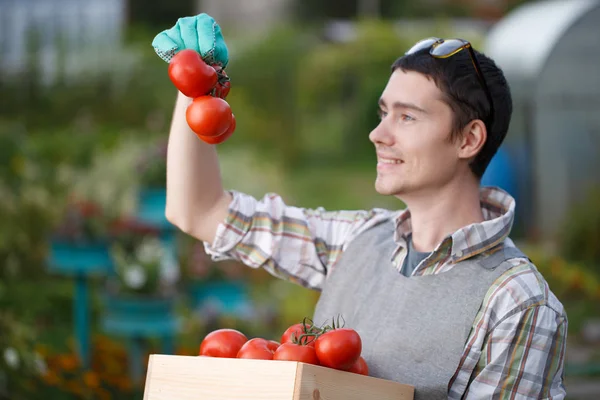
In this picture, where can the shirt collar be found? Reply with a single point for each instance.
(498, 208)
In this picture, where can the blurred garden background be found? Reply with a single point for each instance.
(93, 278)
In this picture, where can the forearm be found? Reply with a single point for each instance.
(196, 201)
(295, 243)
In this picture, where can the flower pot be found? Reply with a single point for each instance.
(79, 260)
(223, 297)
(72, 258)
(139, 316)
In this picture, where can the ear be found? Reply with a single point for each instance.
(472, 140)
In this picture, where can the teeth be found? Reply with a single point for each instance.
(387, 161)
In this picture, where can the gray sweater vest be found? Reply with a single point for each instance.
(414, 329)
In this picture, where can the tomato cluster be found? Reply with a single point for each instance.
(209, 115)
(330, 346)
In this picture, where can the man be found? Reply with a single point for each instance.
(441, 297)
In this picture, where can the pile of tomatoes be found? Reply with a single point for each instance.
(209, 115)
(334, 347)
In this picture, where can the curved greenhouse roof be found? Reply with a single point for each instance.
(524, 39)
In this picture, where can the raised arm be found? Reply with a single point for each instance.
(196, 201)
(298, 244)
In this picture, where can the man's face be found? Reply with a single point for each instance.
(414, 152)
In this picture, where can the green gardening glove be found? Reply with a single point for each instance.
(200, 33)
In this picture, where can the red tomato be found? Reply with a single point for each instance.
(273, 345)
(360, 367)
(296, 352)
(222, 89)
(221, 138)
(209, 116)
(218, 69)
(190, 74)
(295, 331)
(339, 348)
(223, 85)
(258, 349)
(222, 343)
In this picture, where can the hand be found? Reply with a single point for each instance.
(200, 33)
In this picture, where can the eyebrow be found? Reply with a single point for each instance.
(400, 104)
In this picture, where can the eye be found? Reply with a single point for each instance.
(382, 114)
(406, 118)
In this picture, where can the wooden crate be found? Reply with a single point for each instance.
(186, 378)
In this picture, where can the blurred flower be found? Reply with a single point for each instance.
(144, 265)
(11, 357)
(135, 276)
(169, 269)
(90, 379)
(150, 250)
(68, 362)
(40, 364)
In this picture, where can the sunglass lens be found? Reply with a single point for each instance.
(422, 44)
(448, 47)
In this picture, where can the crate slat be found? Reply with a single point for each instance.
(186, 378)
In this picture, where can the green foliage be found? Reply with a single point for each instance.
(19, 362)
(159, 14)
(581, 234)
(29, 196)
(574, 283)
(310, 10)
(264, 92)
(302, 99)
(152, 165)
(345, 80)
(131, 91)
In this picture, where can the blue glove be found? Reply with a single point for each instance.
(200, 33)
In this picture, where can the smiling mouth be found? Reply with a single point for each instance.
(388, 161)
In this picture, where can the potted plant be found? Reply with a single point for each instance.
(79, 244)
(99, 196)
(140, 299)
(144, 264)
(215, 288)
(142, 287)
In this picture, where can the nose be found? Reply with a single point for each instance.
(381, 135)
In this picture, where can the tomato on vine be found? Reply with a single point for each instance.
(222, 343)
(191, 75)
(221, 138)
(304, 333)
(360, 367)
(209, 116)
(223, 83)
(338, 347)
(296, 352)
(258, 349)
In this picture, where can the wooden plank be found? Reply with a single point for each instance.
(320, 383)
(194, 378)
(187, 377)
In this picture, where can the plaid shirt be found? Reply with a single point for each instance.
(516, 347)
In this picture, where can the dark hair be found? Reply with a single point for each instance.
(456, 77)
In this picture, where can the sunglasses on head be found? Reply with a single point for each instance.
(441, 48)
